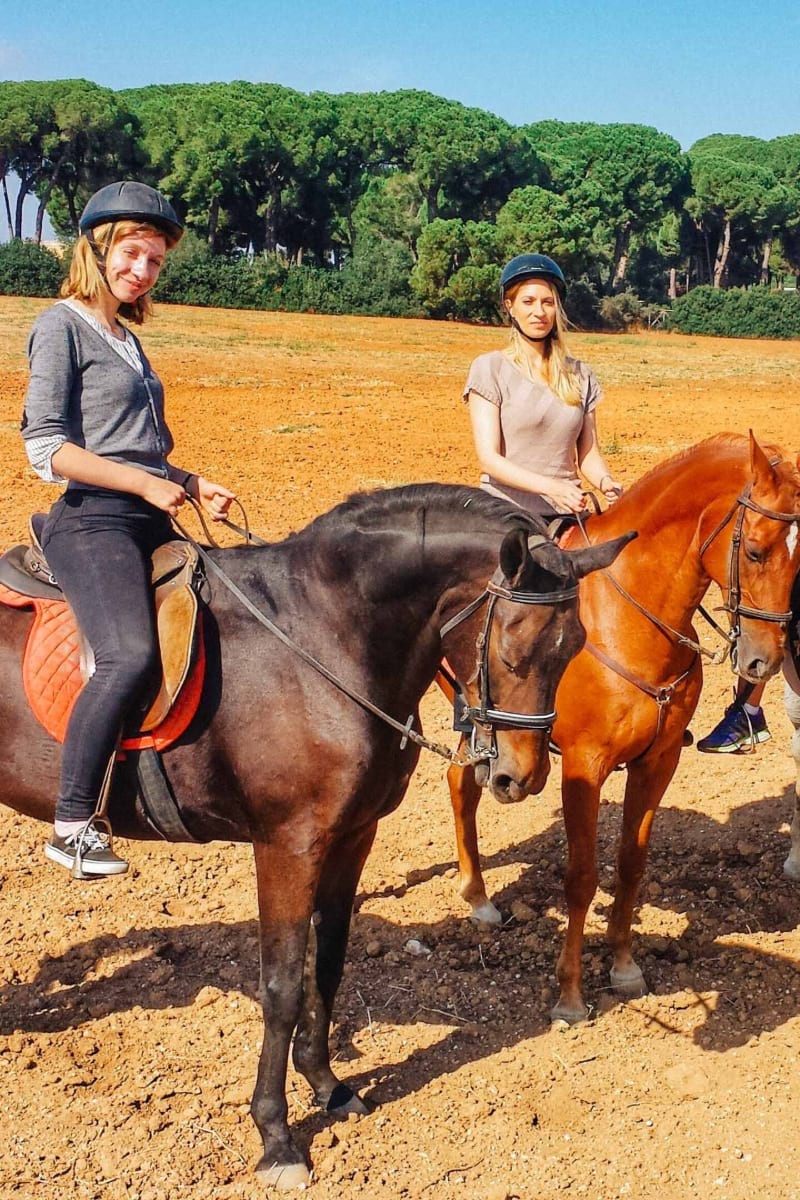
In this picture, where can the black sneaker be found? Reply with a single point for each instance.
(737, 731)
(86, 854)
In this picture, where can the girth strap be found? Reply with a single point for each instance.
(158, 799)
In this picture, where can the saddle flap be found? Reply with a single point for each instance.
(176, 617)
(176, 560)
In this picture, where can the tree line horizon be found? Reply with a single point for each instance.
(410, 192)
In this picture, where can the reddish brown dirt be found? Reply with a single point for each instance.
(129, 1033)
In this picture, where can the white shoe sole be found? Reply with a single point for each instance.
(740, 747)
(65, 859)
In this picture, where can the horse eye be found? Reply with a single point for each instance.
(511, 667)
(753, 553)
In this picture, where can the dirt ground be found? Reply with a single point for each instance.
(129, 1033)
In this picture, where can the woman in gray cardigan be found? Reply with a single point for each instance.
(94, 419)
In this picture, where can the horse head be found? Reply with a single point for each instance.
(529, 631)
(758, 567)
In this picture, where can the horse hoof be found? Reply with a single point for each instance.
(563, 1015)
(486, 914)
(285, 1177)
(629, 983)
(791, 868)
(344, 1100)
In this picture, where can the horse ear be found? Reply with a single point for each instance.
(595, 557)
(760, 466)
(514, 554)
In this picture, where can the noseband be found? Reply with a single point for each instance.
(733, 605)
(484, 715)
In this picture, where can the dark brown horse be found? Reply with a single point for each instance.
(720, 511)
(376, 591)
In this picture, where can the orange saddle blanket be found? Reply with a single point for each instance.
(51, 674)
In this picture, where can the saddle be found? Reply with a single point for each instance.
(57, 660)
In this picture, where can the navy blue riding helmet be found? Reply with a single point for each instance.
(130, 201)
(532, 266)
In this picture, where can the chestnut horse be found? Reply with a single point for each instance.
(791, 697)
(721, 511)
(377, 589)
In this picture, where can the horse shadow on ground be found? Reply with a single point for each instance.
(490, 989)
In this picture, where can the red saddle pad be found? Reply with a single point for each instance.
(52, 680)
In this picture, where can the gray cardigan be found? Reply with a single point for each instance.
(82, 391)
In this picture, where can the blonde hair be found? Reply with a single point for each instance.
(557, 369)
(85, 279)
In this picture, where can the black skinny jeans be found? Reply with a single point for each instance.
(98, 545)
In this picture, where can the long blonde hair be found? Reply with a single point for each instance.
(85, 279)
(557, 369)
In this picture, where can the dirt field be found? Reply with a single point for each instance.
(129, 1033)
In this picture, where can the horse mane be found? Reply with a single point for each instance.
(449, 504)
(730, 445)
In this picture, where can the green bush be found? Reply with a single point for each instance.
(620, 311)
(738, 312)
(374, 281)
(29, 270)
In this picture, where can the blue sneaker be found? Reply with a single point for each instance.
(737, 732)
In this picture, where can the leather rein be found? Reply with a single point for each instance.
(483, 713)
(733, 606)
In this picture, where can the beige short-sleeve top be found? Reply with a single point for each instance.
(538, 430)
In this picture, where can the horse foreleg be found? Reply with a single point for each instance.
(647, 781)
(791, 697)
(581, 798)
(327, 945)
(286, 885)
(465, 796)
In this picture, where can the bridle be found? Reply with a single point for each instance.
(664, 694)
(733, 604)
(484, 715)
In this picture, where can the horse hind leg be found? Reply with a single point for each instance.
(791, 868)
(465, 796)
(327, 945)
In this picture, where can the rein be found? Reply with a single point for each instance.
(664, 695)
(487, 715)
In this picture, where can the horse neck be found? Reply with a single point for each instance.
(673, 517)
(394, 588)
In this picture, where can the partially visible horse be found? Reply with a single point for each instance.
(376, 591)
(724, 511)
(791, 697)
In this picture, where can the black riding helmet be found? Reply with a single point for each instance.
(130, 201)
(532, 266)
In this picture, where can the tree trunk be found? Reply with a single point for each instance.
(673, 283)
(213, 223)
(764, 276)
(40, 221)
(721, 262)
(7, 201)
(621, 256)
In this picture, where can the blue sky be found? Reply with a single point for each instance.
(688, 68)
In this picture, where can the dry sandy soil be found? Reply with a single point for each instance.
(129, 1032)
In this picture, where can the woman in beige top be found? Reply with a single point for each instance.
(532, 405)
